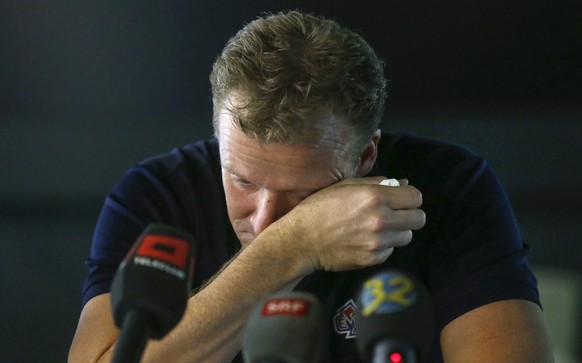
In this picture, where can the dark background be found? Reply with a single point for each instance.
(89, 88)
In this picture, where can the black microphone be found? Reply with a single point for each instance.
(395, 319)
(285, 328)
(150, 289)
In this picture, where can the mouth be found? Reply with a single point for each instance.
(245, 237)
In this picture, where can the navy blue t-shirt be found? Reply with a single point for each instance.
(469, 253)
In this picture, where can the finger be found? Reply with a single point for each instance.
(403, 197)
(390, 239)
(383, 255)
(375, 257)
(399, 238)
(402, 219)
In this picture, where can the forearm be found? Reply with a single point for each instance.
(211, 329)
(312, 236)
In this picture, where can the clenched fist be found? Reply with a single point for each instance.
(351, 224)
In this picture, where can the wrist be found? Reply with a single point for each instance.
(285, 244)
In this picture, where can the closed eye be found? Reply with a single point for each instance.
(239, 181)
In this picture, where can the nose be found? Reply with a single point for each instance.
(270, 206)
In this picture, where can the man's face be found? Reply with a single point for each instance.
(264, 181)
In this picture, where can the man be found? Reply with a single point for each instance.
(288, 196)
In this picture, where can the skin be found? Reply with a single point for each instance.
(263, 182)
(503, 331)
(296, 209)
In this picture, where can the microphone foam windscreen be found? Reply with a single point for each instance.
(394, 305)
(286, 327)
(155, 278)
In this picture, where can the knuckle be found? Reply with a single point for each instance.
(375, 244)
(407, 238)
(418, 219)
(381, 256)
(422, 218)
(403, 237)
(372, 199)
(378, 223)
(417, 195)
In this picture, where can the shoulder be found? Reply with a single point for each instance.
(182, 170)
(181, 188)
(435, 167)
(163, 185)
(406, 152)
(202, 155)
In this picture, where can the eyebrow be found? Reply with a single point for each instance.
(229, 170)
(238, 175)
(337, 174)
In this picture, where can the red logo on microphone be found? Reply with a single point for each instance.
(290, 307)
(171, 250)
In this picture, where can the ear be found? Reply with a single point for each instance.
(368, 155)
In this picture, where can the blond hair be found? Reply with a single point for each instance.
(288, 70)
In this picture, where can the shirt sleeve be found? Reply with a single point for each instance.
(478, 256)
(139, 199)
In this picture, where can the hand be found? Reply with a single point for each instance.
(352, 224)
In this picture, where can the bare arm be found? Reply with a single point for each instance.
(503, 331)
(355, 223)
(213, 319)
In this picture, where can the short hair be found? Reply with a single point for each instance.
(288, 70)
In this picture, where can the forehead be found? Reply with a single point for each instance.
(284, 166)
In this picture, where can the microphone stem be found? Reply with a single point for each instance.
(133, 337)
